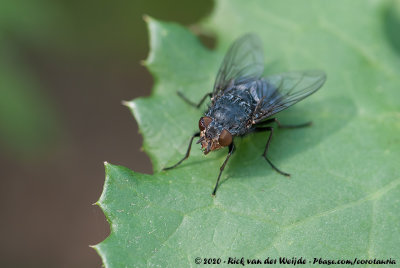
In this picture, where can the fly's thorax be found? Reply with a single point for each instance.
(212, 135)
(233, 111)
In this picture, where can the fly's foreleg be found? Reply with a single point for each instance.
(271, 130)
(192, 103)
(231, 150)
(187, 152)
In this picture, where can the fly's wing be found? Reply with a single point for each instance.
(277, 92)
(242, 63)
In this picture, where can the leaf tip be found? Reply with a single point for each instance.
(126, 103)
(106, 165)
(93, 246)
(147, 18)
(97, 248)
(130, 105)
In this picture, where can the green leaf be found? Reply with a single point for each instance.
(342, 201)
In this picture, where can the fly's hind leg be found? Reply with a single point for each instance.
(271, 130)
(275, 120)
(192, 103)
(197, 134)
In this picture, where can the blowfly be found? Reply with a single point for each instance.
(243, 100)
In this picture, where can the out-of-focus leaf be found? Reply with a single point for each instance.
(28, 121)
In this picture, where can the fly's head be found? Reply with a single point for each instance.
(211, 138)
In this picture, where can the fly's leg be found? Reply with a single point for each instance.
(275, 120)
(271, 130)
(231, 150)
(187, 152)
(192, 103)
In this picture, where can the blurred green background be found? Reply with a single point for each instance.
(65, 68)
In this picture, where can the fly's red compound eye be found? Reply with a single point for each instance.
(204, 122)
(225, 138)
